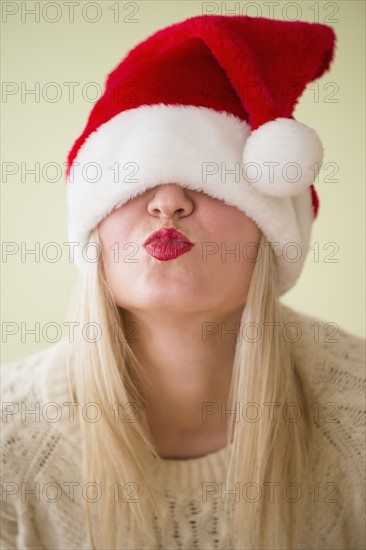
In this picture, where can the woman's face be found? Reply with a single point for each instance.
(213, 276)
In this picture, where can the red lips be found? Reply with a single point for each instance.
(167, 244)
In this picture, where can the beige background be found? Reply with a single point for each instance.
(42, 130)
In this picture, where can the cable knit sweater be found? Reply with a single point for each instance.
(39, 455)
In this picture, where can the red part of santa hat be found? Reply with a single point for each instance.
(252, 69)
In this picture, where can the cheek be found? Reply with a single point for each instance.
(112, 240)
(114, 226)
(236, 240)
(233, 230)
(117, 234)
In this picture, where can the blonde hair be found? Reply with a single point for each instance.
(263, 452)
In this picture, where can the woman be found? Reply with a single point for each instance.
(194, 410)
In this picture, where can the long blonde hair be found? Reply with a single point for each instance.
(272, 451)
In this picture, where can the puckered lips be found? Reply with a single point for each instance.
(167, 244)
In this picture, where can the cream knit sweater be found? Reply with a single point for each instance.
(40, 463)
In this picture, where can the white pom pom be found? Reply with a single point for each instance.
(282, 157)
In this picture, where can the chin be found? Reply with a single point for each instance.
(163, 301)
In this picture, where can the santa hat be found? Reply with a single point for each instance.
(207, 104)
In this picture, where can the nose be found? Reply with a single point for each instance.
(170, 201)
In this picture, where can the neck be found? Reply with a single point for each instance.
(188, 361)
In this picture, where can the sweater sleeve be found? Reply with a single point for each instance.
(8, 527)
(8, 450)
(8, 520)
(334, 361)
(40, 456)
(19, 434)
